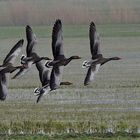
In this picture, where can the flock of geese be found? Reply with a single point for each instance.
(52, 82)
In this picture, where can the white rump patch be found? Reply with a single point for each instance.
(94, 72)
(92, 76)
(46, 90)
(36, 91)
(97, 68)
(86, 64)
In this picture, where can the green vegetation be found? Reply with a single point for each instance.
(69, 137)
(74, 31)
(109, 108)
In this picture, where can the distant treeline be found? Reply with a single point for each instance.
(44, 12)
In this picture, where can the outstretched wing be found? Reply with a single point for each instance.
(39, 97)
(43, 73)
(31, 41)
(91, 74)
(44, 90)
(21, 72)
(3, 86)
(94, 40)
(14, 52)
(57, 40)
(56, 77)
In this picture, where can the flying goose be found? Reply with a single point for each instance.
(97, 58)
(59, 58)
(44, 76)
(31, 57)
(7, 67)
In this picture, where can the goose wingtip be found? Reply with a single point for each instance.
(27, 26)
(22, 41)
(58, 21)
(92, 23)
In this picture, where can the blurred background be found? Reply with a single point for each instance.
(44, 12)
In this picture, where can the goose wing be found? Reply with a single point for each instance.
(39, 97)
(3, 86)
(14, 52)
(43, 73)
(94, 40)
(91, 74)
(31, 41)
(57, 40)
(21, 72)
(56, 77)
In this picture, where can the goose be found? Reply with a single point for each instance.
(7, 67)
(59, 58)
(44, 76)
(44, 79)
(97, 59)
(32, 56)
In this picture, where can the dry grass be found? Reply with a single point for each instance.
(42, 12)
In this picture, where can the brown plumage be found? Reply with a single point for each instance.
(97, 58)
(7, 67)
(59, 58)
(31, 56)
